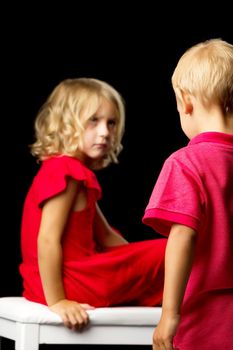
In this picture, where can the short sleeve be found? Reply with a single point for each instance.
(176, 198)
(53, 174)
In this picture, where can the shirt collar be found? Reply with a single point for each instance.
(213, 136)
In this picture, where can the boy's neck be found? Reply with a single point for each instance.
(213, 120)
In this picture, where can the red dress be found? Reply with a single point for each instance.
(129, 274)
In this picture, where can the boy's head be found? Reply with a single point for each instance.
(206, 72)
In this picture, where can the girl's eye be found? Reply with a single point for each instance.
(112, 122)
(93, 119)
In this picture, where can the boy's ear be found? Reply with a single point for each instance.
(186, 102)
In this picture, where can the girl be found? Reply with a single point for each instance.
(72, 259)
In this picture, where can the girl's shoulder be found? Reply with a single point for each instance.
(55, 171)
(62, 161)
(60, 165)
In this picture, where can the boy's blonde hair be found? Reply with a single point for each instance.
(206, 71)
(61, 121)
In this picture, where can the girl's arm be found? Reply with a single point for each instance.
(54, 217)
(105, 235)
(178, 262)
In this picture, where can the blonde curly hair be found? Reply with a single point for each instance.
(60, 122)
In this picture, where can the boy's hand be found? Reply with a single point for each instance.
(165, 331)
(73, 314)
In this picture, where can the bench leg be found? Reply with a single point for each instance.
(27, 336)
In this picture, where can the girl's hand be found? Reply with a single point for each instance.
(73, 314)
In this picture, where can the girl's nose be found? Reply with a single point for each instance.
(103, 129)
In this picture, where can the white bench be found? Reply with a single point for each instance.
(30, 324)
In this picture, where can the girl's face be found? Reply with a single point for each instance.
(99, 133)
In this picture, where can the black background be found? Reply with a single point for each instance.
(135, 51)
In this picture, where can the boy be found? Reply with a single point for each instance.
(192, 203)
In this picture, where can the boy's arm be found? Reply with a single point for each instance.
(178, 262)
